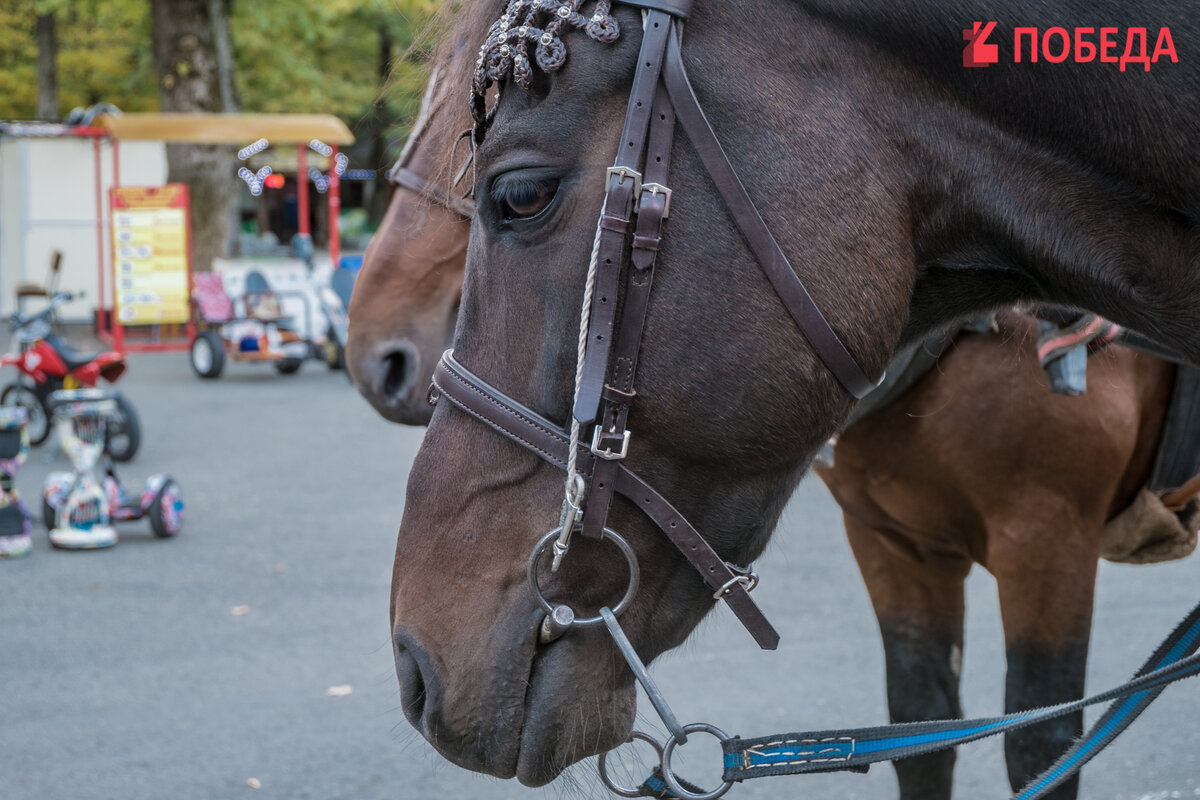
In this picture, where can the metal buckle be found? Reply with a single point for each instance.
(607, 454)
(656, 188)
(622, 173)
(749, 581)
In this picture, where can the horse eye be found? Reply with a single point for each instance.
(523, 199)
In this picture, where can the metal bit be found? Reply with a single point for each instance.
(556, 624)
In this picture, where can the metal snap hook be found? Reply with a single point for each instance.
(601, 765)
(669, 776)
(584, 622)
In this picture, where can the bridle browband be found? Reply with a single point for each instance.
(401, 175)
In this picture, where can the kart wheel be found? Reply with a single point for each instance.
(123, 431)
(208, 354)
(332, 352)
(288, 366)
(38, 418)
(166, 510)
(49, 515)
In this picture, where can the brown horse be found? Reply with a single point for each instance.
(978, 463)
(406, 297)
(919, 510)
(924, 200)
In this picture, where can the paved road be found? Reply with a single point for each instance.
(127, 675)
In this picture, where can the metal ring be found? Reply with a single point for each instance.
(669, 777)
(584, 622)
(749, 581)
(612, 785)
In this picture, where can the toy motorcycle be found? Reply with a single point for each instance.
(78, 507)
(47, 364)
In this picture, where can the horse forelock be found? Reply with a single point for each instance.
(467, 26)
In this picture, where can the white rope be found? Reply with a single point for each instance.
(585, 315)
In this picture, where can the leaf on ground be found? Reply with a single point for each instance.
(254, 783)
(341, 690)
(240, 611)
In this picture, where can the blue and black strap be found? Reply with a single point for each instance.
(857, 748)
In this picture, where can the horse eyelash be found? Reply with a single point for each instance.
(506, 190)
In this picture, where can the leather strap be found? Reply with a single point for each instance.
(534, 432)
(758, 236)
(403, 176)
(622, 189)
(618, 393)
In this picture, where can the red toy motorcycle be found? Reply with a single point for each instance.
(47, 364)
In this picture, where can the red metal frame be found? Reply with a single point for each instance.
(108, 329)
(302, 190)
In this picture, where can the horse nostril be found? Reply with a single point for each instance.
(399, 372)
(413, 692)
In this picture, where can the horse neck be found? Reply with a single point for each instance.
(1092, 113)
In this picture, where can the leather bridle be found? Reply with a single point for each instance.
(401, 175)
(637, 204)
(629, 232)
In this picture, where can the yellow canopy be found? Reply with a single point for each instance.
(240, 129)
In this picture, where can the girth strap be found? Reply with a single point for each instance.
(534, 432)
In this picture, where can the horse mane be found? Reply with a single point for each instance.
(465, 26)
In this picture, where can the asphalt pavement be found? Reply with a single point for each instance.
(249, 656)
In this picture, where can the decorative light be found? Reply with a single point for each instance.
(253, 149)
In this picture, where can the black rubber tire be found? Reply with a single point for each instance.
(49, 515)
(18, 394)
(124, 429)
(288, 366)
(211, 341)
(333, 353)
(154, 513)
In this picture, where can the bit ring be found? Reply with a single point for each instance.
(669, 776)
(584, 622)
(602, 768)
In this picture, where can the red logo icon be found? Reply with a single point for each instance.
(978, 53)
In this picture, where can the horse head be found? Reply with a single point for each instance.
(899, 206)
(406, 299)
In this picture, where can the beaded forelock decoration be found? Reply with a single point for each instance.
(536, 23)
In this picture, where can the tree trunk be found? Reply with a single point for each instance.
(47, 68)
(187, 47)
(377, 194)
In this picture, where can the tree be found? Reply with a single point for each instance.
(47, 67)
(186, 42)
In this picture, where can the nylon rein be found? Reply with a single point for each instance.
(637, 203)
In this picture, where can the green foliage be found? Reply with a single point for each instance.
(324, 56)
(103, 55)
(295, 56)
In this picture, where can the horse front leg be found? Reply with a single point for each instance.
(1046, 588)
(918, 600)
